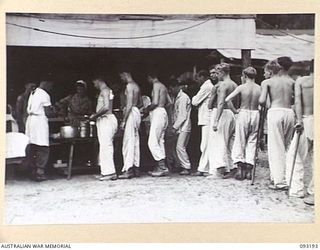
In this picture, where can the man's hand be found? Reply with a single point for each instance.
(215, 126)
(92, 117)
(298, 127)
(175, 130)
(122, 125)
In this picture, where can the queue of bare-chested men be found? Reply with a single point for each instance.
(229, 135)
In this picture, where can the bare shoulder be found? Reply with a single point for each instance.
(105, 92)
(266, 82)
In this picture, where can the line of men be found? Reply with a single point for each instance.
(228, 144)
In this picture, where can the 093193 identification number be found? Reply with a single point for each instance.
(309, 245)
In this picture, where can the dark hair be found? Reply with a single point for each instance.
(312, 66)
(98, 78)
(285, 62)
(250, 72)
(224, 67)
(212, 66)
(273, 66)
(203, 73)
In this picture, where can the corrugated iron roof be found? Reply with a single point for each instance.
(269, 47)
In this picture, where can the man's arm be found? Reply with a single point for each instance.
(184, 105)
(50, 111)
(212, 97)
(202, 94)
(19, 108)
(105, 95)
(230, 97)
(155, 98)
(129, 98)
(221, 97)
(264, 93)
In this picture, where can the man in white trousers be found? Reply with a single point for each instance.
(223, 126)
(159, 123)
(201, 100)
(107, 126)
(304, 113)
(281, 118)
(37, 129)
(247, 123)
(182, 125)
(131, 124)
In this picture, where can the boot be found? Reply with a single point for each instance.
(240, 175)
(127, 174)
(136, 171)
(185, 172)
(231, 174)
(249, 171)
(162, 169)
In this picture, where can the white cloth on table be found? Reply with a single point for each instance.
(280, 131)
(305, 153)
(107, 126)
(159, 123)
(14, 124)
(16, 144)
(37, 127)
(246, 132)
(131, 140)
(221, 141)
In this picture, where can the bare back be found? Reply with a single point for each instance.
(159, 94)
(306, 85)
(225, 88)
(133, 94)
(249, 94)
(280, 91)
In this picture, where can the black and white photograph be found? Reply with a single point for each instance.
(159, 118)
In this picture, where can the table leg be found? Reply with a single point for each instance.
(70, 161)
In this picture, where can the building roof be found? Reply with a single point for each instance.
(110, 31)
(269, 47)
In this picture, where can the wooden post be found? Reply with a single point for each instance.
(246, 57)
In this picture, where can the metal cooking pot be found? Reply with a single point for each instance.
(68, 132)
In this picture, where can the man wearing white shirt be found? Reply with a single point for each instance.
(201, 100)
(182, 125)
(37, 129)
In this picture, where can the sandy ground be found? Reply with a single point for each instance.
(168, 199)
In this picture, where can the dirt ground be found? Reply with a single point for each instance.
(83, 200)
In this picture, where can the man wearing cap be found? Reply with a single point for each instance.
(247, 123)
(182, 126)
(78, 105)
(281, 118)
(201, 100)
(37, 129)
(223, 126)
(131, 124)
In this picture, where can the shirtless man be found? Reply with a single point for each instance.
(279, 88)
(159, 123)
(107, 126)
(247, 123)
(223, 126)
(304, 125)
(130, 124)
